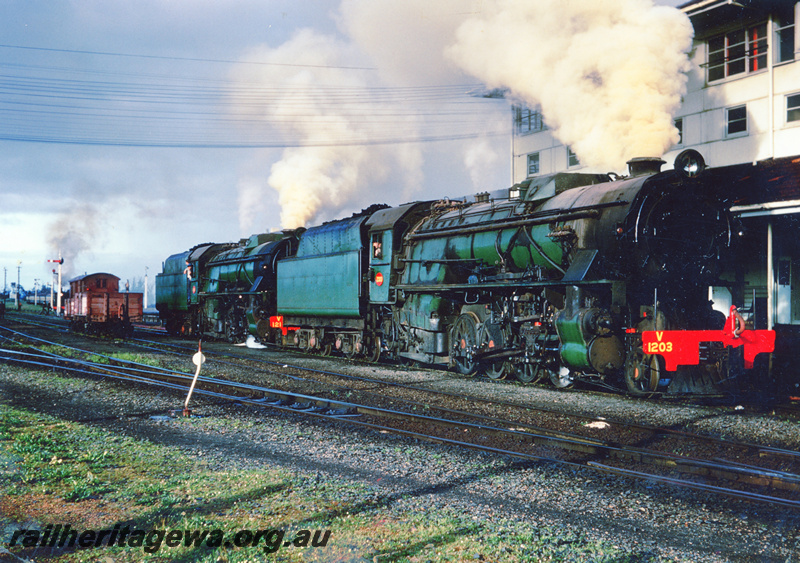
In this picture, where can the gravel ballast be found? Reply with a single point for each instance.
(655, 521)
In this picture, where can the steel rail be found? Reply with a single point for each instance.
(697, 486)
(755, 497)
(735, 472)
(764, 451)
(656, 430)
(595, 447)
(760, 476)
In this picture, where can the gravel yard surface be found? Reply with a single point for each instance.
(648, 521)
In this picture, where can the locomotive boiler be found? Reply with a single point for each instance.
(560, 278)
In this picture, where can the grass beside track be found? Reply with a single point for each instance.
(58, 472)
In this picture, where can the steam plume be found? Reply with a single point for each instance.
(479, 157)
(316, 182)
(71, 234)
(406, 40)
(607, 74)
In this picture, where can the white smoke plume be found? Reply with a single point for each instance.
(606, 74)
(479, 157)
(319, 102)
(312, 178)
(403, 45)
(71, 234)
(407, 40)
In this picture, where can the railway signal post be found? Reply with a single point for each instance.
(60, 261)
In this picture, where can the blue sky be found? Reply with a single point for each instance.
(130, 131)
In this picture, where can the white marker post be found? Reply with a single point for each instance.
(198, 359)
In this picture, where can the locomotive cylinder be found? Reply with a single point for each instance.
(587, 341)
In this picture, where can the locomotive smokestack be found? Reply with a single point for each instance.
(641, 166)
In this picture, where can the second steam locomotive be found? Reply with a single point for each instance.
(557, 278)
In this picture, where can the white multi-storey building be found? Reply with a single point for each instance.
(741, 112)
(742, 102)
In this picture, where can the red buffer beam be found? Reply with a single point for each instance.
(682, 347)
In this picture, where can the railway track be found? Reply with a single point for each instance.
(791, 408)
(543, 419)
(749, 471)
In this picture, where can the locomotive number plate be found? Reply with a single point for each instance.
(658, 346)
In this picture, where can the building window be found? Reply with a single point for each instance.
(528, 121)
(572, 158)
(679, 126)
(533, 164)
(737, 52)
(737, 120)
(724, 53)
(793, 107)
(784, 34)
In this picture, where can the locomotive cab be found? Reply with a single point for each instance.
(386, 230)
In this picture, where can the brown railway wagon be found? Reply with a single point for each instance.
(96, 305)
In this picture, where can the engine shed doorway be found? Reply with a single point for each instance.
(768, 262)
(766, 280)
(761, 276)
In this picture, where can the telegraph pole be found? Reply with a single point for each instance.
(16, 295)
(36, 292)
(144, 305)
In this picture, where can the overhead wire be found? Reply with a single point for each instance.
(173, 58)
(57, 104)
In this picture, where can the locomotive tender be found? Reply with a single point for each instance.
(557, 277)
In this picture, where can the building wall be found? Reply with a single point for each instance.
(704, 114)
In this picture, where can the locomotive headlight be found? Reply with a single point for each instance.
(689, 164)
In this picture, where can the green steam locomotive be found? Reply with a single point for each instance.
(556, 278)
